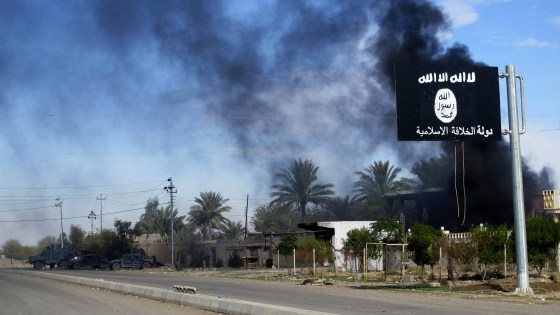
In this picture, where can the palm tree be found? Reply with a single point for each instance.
(435, 172)
(158, 219)
(376, 180)
(163, 223)
(342, 208)
(232, 230)
(208, 213)
(299, 188)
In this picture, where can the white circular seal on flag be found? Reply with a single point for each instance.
(445, 105)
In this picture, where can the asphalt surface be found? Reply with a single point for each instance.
(31, 295)
(328, 299)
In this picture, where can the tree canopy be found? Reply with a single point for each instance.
(373, 183)
(299, 187)
(387, 230)
(422, 242)
(274, 217)
(543, 235)
(208, 213)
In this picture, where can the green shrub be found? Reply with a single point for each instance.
(200, 259)
(235, 261)
(219, 263)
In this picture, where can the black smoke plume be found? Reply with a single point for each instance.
(408, 33)
(267, 78)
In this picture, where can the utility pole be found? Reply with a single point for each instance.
(171, 190)
(246, 211)
(101, 198)
(92, 217)
(59, 204)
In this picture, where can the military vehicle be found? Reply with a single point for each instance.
(52, 257)
(89, 261)
(136, 259)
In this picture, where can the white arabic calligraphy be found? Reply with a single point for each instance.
(445, 105)
(455, 130)
(444, 77)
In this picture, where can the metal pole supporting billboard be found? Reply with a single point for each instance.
(518, 204)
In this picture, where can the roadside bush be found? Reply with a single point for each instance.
(219, 263)
(200, 259)
(235, 261)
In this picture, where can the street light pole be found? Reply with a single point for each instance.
(59, 204)
(523, 284)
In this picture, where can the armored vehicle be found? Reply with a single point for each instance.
(89, 261)
(137, 259)
(51, 256)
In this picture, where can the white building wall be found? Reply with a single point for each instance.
(341, 229)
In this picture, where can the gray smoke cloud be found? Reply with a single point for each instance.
(263, 82)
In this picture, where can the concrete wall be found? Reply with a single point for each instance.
(162, 251)
(341, 229)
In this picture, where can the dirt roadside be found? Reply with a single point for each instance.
(544, 289)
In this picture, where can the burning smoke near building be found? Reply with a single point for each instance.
(203, 89)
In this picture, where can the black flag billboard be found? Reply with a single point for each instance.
(437, 102)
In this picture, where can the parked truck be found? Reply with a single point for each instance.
(52, 257)
(136, 259)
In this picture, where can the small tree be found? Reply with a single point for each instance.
(76, 237)
(323, 252)
(387, 230)
(105, 243)
(543, 236)
(287, 245)
(125, 233)
(355, 243)
(12, 248)
(490, 243)
(458, 253)
(422, 242)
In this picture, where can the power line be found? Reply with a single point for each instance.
(77, 187)
(544, 130)
(67, 196)
(27, 209)
(66, 218)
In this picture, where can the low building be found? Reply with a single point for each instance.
(259, 250)
(334, 233)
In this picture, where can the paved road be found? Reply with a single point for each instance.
(28, 295)
(331, 299)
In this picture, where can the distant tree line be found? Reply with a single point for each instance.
(296, 196)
